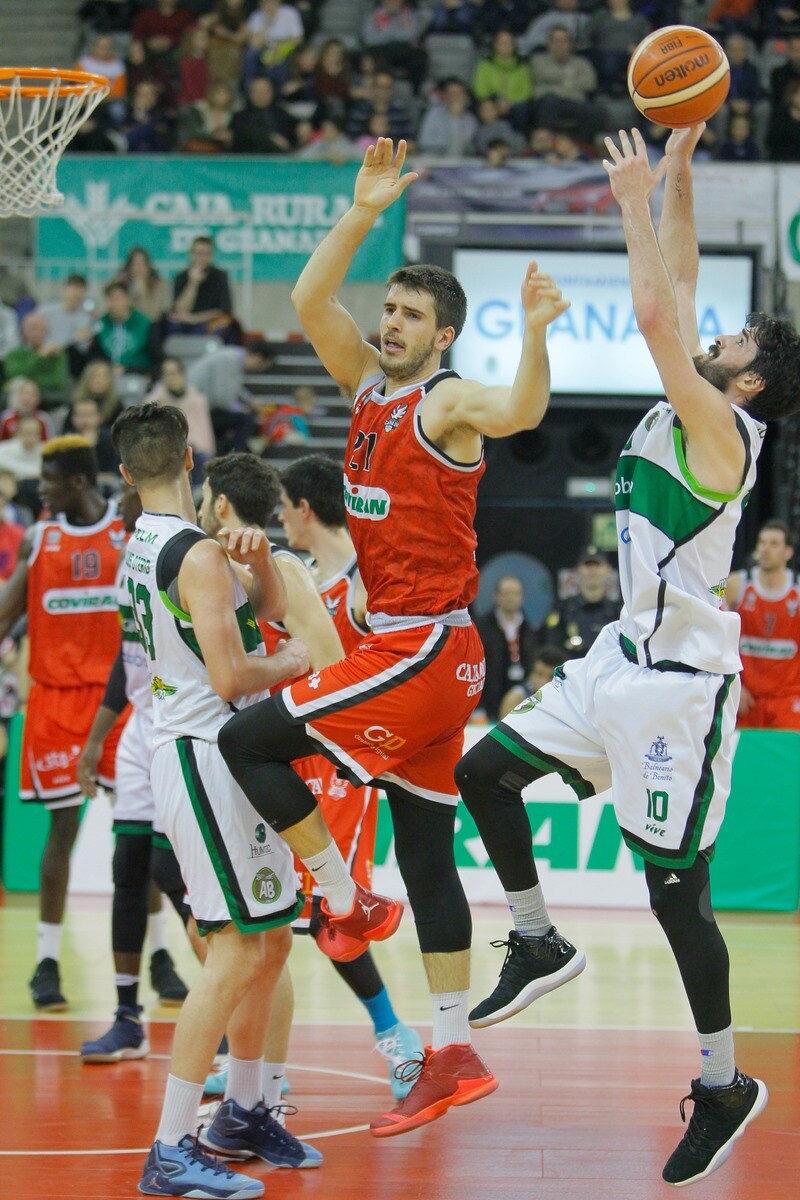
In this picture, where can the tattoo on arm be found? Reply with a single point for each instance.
(679, 186)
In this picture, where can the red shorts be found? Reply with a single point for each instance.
(57, 724)
(350, 813)
(396, 707)
(772, 712)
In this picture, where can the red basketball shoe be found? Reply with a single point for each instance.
(371, 919)
(447, 1077)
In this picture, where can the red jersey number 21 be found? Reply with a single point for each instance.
(363, 447)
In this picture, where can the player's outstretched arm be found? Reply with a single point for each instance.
(677, 235)
(307, 618)
(14, 596)
(264, 585)
(205, 585)
(331, 330)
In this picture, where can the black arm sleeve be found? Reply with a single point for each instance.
(115, 697)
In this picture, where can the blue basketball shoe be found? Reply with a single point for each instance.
(187, 1170)
(126, 1039)
(399, 1045)
(257, 1132)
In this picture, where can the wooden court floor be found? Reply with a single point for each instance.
(590, 1077)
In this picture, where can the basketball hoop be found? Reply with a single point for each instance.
(41, 110)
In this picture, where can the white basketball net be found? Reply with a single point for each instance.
(34, 130)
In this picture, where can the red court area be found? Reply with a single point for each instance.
(579, 1115)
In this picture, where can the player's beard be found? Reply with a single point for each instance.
(409, 367)
(715, 373)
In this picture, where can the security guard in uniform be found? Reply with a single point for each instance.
(575, 623)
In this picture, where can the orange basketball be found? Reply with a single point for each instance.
(678, 76)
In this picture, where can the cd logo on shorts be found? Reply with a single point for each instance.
(266, 886)
(380, 739)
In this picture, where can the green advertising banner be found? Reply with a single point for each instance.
(266, 216)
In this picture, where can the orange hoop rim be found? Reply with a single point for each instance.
(70, 82)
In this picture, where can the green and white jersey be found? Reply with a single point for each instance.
(134, 656)
(675, 548)
(184, 702)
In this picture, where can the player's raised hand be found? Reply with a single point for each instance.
(683, 142)
(628, 167)
(379, 182)
(247, 546)
(293, 654)
(542, 301)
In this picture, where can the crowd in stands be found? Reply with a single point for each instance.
(493, 79)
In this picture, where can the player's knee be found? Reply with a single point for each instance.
(230, 742)
(130, 866)
(679, 896)
(278, 944)
(473, 771)
(64, 825)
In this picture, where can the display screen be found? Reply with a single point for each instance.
(595, 347)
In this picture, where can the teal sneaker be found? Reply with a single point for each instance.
(398, 1045)
(217, 1082)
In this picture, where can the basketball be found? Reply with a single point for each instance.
(678, 76)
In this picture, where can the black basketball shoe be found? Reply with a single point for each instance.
(165, 980)
(533, 967)
(46, 987)
(720, 1116)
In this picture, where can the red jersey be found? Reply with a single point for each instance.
(410, 508)
(10, 537)
(770, 639)
(73, 615)
(339, 596)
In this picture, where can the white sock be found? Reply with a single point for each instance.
(244, 1081)
(529, 912)
(450, 1019)
(179, 1114)
(48, 941)
(716, 1050)
(272, 1076)
(157, 931)
(335, 882)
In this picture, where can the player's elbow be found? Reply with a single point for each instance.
(226, 683)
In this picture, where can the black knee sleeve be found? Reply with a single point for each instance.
(131, 873)
(490, 780)
(165, 872)
(258, 744)
(681, 902)
(423, 842)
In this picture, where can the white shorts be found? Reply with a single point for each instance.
(660, 739)
(235, 867)
(134, 808)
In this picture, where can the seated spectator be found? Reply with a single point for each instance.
(206, 127)
(541, 142)
(174, 388)
(37, 359)
(560, 14)
(11, 531)
(287, 424)
(788, 73)
(142, 67)
(226, 26)
(161, 29)
(147, 127)
(149, 293)
(85, 420)
(562, 84)
(545, 661)
(614, 33)
(273, 31)
(449, 126)
(221, 377)
(330, 144)
(102, 59)
(378, 96)
(193, 68)
(503, 75)
(22, 454)
(576, 622)
(202, 295)
(746, 90)
(24, 400)
(70, 320)
(783, 134)
(739, 145)
(498, 152)
(263, 126)
(567, 147)
(394, 29)
(13, 510)
(97, 381)
(297, 89)
(332, 73)
(9, 330)
(123, 336)
(493, 128)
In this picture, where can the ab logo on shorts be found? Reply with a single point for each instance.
(266, 886)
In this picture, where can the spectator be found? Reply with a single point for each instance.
(149, 293)
(123, 336)
(562, 84)
(220, 376)
(736, 16)
(102, 59)
(739, 145)
(11, 532)
(14, 291)
(147, 127)
(767, 600)
(202, 294)
(70, 320)
(38, 360)
(567, 147)
(492, 128)
(206, 127)
(575, 623)
(263, 126)
(331, 144)
(561, 14)
(298, 87)
(9, 330)
(783, 135)
(788, 73)
(332, 73)
(85, 420)
(503, 75)
(614, 33)
(161, 29)
(509, 643)
(193, 68)
(97, 381)
(378, 97)
(541, 143)
(174, 388)
(746, 90)
(488, 17)
(273, 31)
(545, 664)
(393, 29)
(13, 511)
(226, 25)
(448, 127)
(143, 68)
(22, 454)
(287, 424)
(23, 401)
(452, 16)
(498, 152)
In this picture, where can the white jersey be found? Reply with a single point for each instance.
(675, 548)
(138, 688)
(185, 704)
